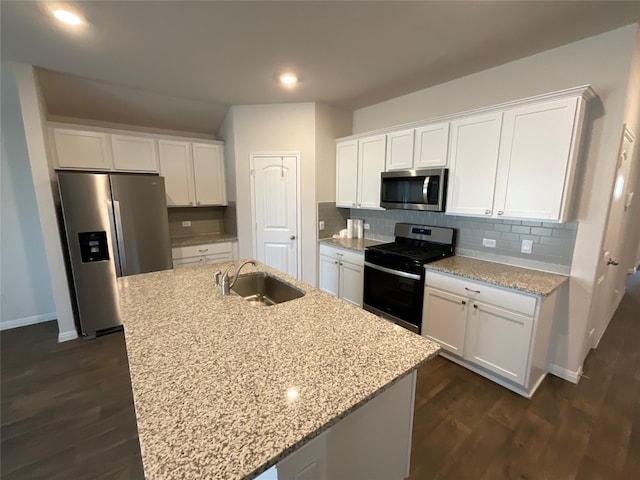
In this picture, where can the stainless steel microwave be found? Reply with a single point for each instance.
(414, 189)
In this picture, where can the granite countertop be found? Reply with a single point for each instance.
(523, 279)
(202, 239)
(357, 244)
(211, 374)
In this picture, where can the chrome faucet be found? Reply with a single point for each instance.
(227, 284)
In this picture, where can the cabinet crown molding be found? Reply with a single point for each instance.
(585, 91)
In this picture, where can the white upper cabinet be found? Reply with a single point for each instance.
(359, 164)
(472, 164)
(534, 170)
(177, 169)
(193, 172)
(81, 149)
(208, 174)
(400, 150)
(431, 146)
(371, 158)
(347, 174)
(134, 153)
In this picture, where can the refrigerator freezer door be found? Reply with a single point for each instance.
(142, 225)
(87, 214)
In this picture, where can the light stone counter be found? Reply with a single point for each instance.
(211, 374)
(202, 239)
(357, 244)
(508, 276)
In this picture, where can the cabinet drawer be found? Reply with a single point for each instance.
(201, 250)
(507, 299)
(342, 254)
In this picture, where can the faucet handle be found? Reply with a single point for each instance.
(216, 277)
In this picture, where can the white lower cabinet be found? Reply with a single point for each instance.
(202, 254)
(372, 442)
(499, 333)
(342, 273)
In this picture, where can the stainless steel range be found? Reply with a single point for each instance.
(394, 272)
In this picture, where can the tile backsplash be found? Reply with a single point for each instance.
(334, 218)
(203, 220)
(553, 243)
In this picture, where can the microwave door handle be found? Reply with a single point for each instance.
(425, 190)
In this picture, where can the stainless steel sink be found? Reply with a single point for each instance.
(263, 289)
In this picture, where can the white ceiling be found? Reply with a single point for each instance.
(180, 64)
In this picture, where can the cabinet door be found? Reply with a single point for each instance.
(444, 319)
(82, 150)
(329, 275)
(347, 174)
(472, 164)
(176, 168)
(534, 160)
(351, 282)
(431, 146)
(208, 173)
(134, 154)
(499, 340)
(371, 158)
(400, 150)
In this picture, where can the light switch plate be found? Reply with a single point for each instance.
(321, 225)
(186, 223)
(527, 246)
(489, 242)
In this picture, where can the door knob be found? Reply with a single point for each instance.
(613, 262)
(292, 237)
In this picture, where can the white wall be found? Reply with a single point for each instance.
(25, 287)
(274, 128)
(603, 61)
(331, 123)
(33, 116)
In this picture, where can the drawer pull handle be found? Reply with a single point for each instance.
(202, 250)
(470, 290)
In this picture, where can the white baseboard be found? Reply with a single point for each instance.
(66, 336)
(23, 322)
(565, 373)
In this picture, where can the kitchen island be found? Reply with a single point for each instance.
(224, 389)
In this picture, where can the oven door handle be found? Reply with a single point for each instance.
(412, 276)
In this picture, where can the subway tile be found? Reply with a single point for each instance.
(532, 224)
(520, 229)
(562, 233)
(502, 228)
(559, 242)
(509, 236)
(512, 222)
(543, 232)
(533, 238)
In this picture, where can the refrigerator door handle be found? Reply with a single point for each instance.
(120, 240)
(114, 239)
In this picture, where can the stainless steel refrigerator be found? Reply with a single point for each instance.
(115, 225)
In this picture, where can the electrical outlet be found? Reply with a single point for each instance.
(489, 242)
(527, 246)
(321, 225)
(186, 223)
(367, 226)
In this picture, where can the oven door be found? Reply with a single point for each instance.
(394, 295)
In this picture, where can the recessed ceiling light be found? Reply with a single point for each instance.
(65, 16)
(288, 79)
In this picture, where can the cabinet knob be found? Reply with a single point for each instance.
(292, 237)
(463, 302)
(500, 212)
(487, 212)
(335, 263)
(198, 203)
(353, 204)
(613, 262)
(475, 306)
(190, 203)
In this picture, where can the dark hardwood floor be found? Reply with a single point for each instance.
(67, 413)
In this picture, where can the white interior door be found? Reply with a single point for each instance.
(611, 275)
(275, 206)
